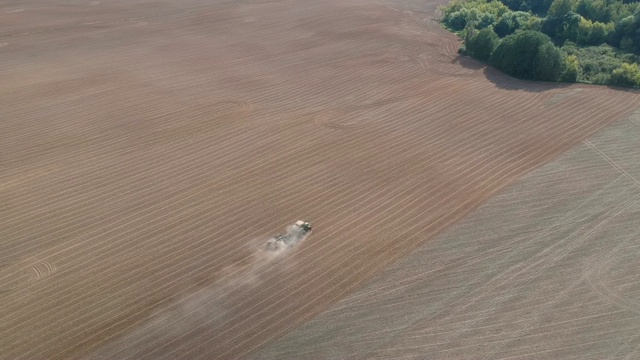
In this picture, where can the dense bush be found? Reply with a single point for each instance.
(573, 70)
(535, 6)
(604, 10)
(626, 75)
(593, 33)
(598, 62)
(529, 55)
(480, 44)
(560, 8)
(515, 20)
(479, 13)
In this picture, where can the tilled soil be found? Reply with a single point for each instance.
(150, 148)
(544, 270)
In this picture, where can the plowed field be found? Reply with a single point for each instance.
(547, 269)
(150, 148)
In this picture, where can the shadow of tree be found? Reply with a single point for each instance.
(504, 81)
(625, 89)
(469, 63)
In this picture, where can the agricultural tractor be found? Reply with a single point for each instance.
(294, 234)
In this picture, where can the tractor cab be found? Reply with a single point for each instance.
(304, 225)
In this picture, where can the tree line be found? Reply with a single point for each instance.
(590, 41)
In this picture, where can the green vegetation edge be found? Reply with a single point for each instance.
(586, 41)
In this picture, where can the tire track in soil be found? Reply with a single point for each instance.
(42, 271)
(600, 283)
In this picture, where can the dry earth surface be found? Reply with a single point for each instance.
(149, 148)
(545, 270)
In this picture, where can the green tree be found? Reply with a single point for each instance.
(479, 13)
(481, 44)
(626, 75)
(548, 63)
(513, 4)
(584, 31)
(593, 33)
(512, 21)
(561, 22)
(493, 7)
(536, 6)
(625, 27)
(486, 20)
(595, 10)
(570, 26)
(529, 55)
(540, 6)
(534, 23)
(560, 8)
(572, 71)
(456, 20)
(600, 33)
(627, 44)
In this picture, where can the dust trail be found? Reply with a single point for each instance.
(194, 311)
(287, 240)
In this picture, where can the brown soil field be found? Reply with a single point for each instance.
(547, 269)
(149, 148)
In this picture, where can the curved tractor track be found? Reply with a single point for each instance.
(143, 167)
